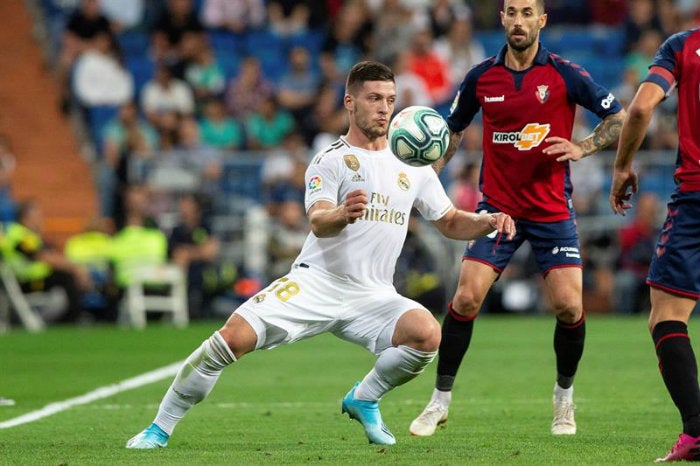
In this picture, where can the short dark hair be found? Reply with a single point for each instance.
(538, 3)
(367, 71)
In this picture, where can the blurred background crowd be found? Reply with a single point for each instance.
(196, 119)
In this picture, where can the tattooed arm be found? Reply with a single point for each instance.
(607, 132)
(455, 140)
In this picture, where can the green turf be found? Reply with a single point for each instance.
(283, 406)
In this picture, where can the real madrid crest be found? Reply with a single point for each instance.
(351, 162)
(542, 93)
(258, 298)
(404, 182)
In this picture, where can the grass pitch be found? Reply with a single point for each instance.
(283, 406)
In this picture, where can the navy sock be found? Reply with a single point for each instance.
(456, 336)
(568, 347)
(679, 370)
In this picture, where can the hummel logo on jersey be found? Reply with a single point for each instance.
(500, 98)
(529, 137)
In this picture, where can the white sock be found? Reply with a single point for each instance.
(194, 381)
(441, 397)
(395, 366)
(563, 394)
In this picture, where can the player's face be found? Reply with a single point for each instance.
(371, 107)
(522, 21)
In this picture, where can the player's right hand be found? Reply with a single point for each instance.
(355, 205)
(503, 224)
(624, 184)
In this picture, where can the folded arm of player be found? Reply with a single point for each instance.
(461, 225)
(328, 220)
(625, 181)
(607, 132)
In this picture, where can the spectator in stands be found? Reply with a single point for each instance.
(410, 88)
(123, 15)
(459, 49)
(138, 242)
(92, 249)
(280, 162)
(178, 19)
(326, 121)
(245, 92)
(204, 160)
(290, 188)
(642, 53)
(220, 130)
(8, 206)
(348, 40)
(236, 16)
(39, 266)
(298, 86)
(442, 14)
(431, 67)
(165, 93)
(288, 17)
(203, 72)
(268, 126)
(84, 24)
(125, 136)
(465, 191)
(641, 16)
(394, 28)
(288, 232)
(99, 76)
(608, 12)
(637, 242)
(193, 247)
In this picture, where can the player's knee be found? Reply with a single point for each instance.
(466, 303)
(420, 331)
(568, 313)
(239, 336)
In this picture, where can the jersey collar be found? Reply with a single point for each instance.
(540, 59)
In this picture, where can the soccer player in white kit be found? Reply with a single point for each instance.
(358, 199)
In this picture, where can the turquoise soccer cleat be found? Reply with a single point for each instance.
(150, 437)
(367, 413)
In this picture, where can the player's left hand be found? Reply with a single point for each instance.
(624, 184)
(569, 150)
(503, 224)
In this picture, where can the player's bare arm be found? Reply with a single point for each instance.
(465, 226)
(328, 220)
(455, 141)
(607, 132)
(634, 128)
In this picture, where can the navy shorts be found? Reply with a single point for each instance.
(675, 266)
(555, 244)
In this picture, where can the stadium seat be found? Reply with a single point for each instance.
(134, 43)
(270, 50)
(243, 177)
(137, 301)
(142, 69)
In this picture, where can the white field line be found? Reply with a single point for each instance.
(97, 394)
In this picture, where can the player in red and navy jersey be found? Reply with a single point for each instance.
(674, 273)
(528, 99)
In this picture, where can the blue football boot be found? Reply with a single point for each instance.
(367, 413)
(150, 437)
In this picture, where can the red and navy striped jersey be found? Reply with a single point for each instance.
(519, 110)
(677, 63)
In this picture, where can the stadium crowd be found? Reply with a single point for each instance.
(178, 97)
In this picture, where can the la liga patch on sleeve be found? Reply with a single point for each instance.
(315, 183)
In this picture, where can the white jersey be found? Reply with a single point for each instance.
(366, 251)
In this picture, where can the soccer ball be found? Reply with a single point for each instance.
(418, 136)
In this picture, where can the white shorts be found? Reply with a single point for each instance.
(309, 301)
